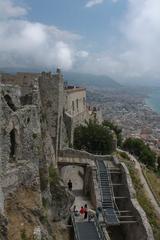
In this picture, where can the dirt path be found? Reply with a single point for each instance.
(145, 184)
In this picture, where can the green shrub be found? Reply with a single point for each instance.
(138, 148)
(23, 235)
(94, 138)
(53, 175)
(116, 129)
(43, 179)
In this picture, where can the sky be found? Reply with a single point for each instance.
(118, 38)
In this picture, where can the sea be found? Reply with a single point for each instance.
(153, 100)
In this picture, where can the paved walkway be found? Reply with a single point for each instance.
(72, 172)
(86, 230)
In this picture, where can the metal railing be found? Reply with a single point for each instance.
(98, 176)
(111, 187)
(99, 230)
(76, 232)
(114, 205)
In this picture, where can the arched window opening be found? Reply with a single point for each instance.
(12, 144)
(9, 102)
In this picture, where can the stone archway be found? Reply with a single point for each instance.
(76, 174)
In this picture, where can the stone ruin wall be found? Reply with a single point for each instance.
(52, 100)
(32, 115)
(20, 141)
(71, 122)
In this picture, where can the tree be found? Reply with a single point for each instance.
(134, 145)
(116, 129)
(148, 157)
(94, 138)
(138, 148)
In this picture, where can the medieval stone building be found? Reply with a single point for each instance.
(31, 133)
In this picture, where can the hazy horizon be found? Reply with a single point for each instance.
(117, 38)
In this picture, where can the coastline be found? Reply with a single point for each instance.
(153, 101)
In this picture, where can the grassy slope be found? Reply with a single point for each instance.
(154, 182)
(143, 199)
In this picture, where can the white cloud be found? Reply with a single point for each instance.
(82, 54)
(142, 33)
(93, 2)
(9, 9)
(137, 52)
(24, 43)
(63, 55)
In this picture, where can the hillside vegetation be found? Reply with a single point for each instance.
(153, 180)
(142, 197)
(142, 151)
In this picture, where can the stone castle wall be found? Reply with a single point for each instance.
(52, 100)
(31, 119)
(20, 140)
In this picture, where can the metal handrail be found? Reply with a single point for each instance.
(76, 233)
(114, 205)
(110, 181)
(109, 178)
(99, 230)
(98, 173)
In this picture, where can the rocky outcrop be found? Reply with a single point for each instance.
(62, 200)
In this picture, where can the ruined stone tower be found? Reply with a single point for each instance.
(52, 99)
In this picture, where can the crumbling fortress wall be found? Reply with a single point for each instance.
(20, 139)
(31, 119)
(52, 100)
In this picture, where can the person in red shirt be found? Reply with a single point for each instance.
(82, 210)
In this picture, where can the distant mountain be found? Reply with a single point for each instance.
(82, 79)
(149, 81)
(89, 80)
